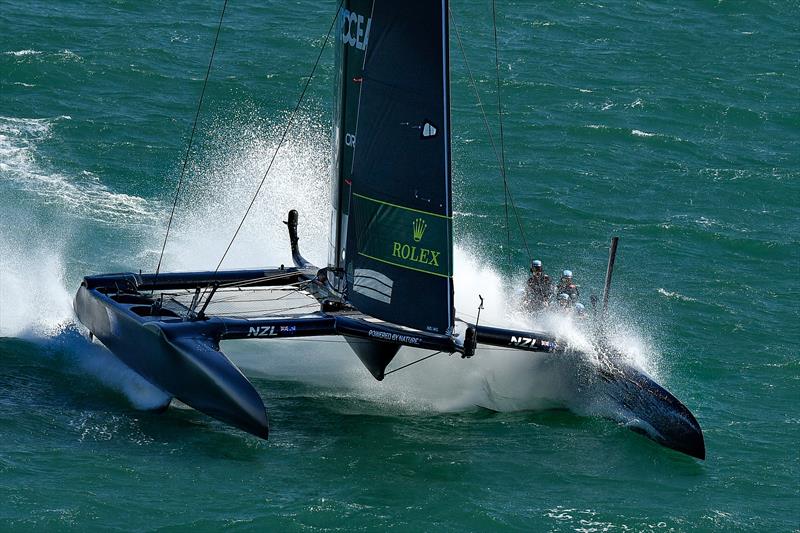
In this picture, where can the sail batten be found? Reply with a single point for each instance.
(392, 182)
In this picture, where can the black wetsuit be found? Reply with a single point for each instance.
(537, 291)
(567, 286)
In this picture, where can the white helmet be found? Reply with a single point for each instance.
(563, 296)
(579, 307)
(536, 263)
(567, 273)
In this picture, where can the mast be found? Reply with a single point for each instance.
(392, 222)
(351, 39)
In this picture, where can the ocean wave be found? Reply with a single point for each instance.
(64, 55)
(706, 222)
(675, 295)
(659, 136)
(20, 53)
(83, 195)
(68, 55)
(625, 133)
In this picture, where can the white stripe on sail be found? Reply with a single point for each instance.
(373, 284)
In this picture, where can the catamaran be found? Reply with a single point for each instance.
(389, 279)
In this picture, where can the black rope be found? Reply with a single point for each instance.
(489, 132)
(191, 140)
(412, 363)
(283, 138)
(502, 137)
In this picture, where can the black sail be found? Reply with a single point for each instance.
(392, 200)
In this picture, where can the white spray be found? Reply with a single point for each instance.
(35, 296)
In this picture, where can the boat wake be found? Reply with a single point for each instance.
(36, 306)
(495, 378)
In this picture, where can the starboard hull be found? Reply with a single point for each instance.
(648, 408)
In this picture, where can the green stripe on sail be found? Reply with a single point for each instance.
(400, 206)
(402, 266)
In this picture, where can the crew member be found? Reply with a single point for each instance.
(572, 290)
(567, 286)
(547, 289)
(538, 287)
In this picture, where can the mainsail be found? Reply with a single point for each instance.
(392, 222)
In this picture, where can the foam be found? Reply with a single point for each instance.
(82, 195)
(20, 53)
(675, 295)
(640, 133)
(36, 306)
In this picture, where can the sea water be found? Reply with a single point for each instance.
(675, 126)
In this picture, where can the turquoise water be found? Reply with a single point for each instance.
(675, 126)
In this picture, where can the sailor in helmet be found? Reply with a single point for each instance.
(538, 287)
(567, 286)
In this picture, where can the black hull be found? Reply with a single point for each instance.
(650, 409)
(188, 367)
(179, 353)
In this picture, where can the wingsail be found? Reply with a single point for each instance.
(393, 242)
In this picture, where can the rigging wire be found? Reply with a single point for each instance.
(360, 92)
(191, 141)
(489, 132)
(411, 363)
(502, 137)
(283, 137)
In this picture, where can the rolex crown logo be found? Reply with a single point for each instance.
(419, 229)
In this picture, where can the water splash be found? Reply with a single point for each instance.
(224, 181)
(36, 306)
(35, 296)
